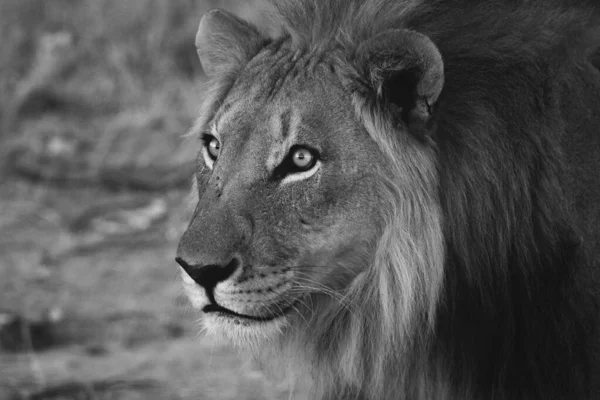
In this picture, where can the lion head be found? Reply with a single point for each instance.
(321, 187)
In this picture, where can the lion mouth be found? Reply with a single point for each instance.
(215, 308)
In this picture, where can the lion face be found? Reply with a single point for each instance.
(285, 187)
(311, 193)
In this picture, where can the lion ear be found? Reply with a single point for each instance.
(406, 70)
(225, 42)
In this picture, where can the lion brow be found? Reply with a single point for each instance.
(285, 123)
(200, 125)
(221, 112)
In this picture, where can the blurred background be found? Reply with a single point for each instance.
(95, 96)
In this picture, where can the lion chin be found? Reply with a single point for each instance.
(241, 332)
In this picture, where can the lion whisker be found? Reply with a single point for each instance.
(319, 288)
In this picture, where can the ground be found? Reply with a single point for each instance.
(95, 96)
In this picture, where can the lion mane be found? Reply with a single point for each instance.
(484, 282)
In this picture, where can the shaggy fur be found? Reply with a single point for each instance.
(483, 284)
(511, 321)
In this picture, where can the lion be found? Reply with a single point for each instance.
(400, 199)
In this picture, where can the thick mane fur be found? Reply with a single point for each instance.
(472, 292)
(496, 30)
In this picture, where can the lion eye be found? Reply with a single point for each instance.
(213, 147)
(302, 158)
(301, 163)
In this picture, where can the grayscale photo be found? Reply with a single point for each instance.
(300, 200)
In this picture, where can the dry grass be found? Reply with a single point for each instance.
(120, 79)
(120, 73)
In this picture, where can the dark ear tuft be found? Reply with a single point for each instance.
(406, 70)
(225, 42)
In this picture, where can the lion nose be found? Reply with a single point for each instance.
(208, 276)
